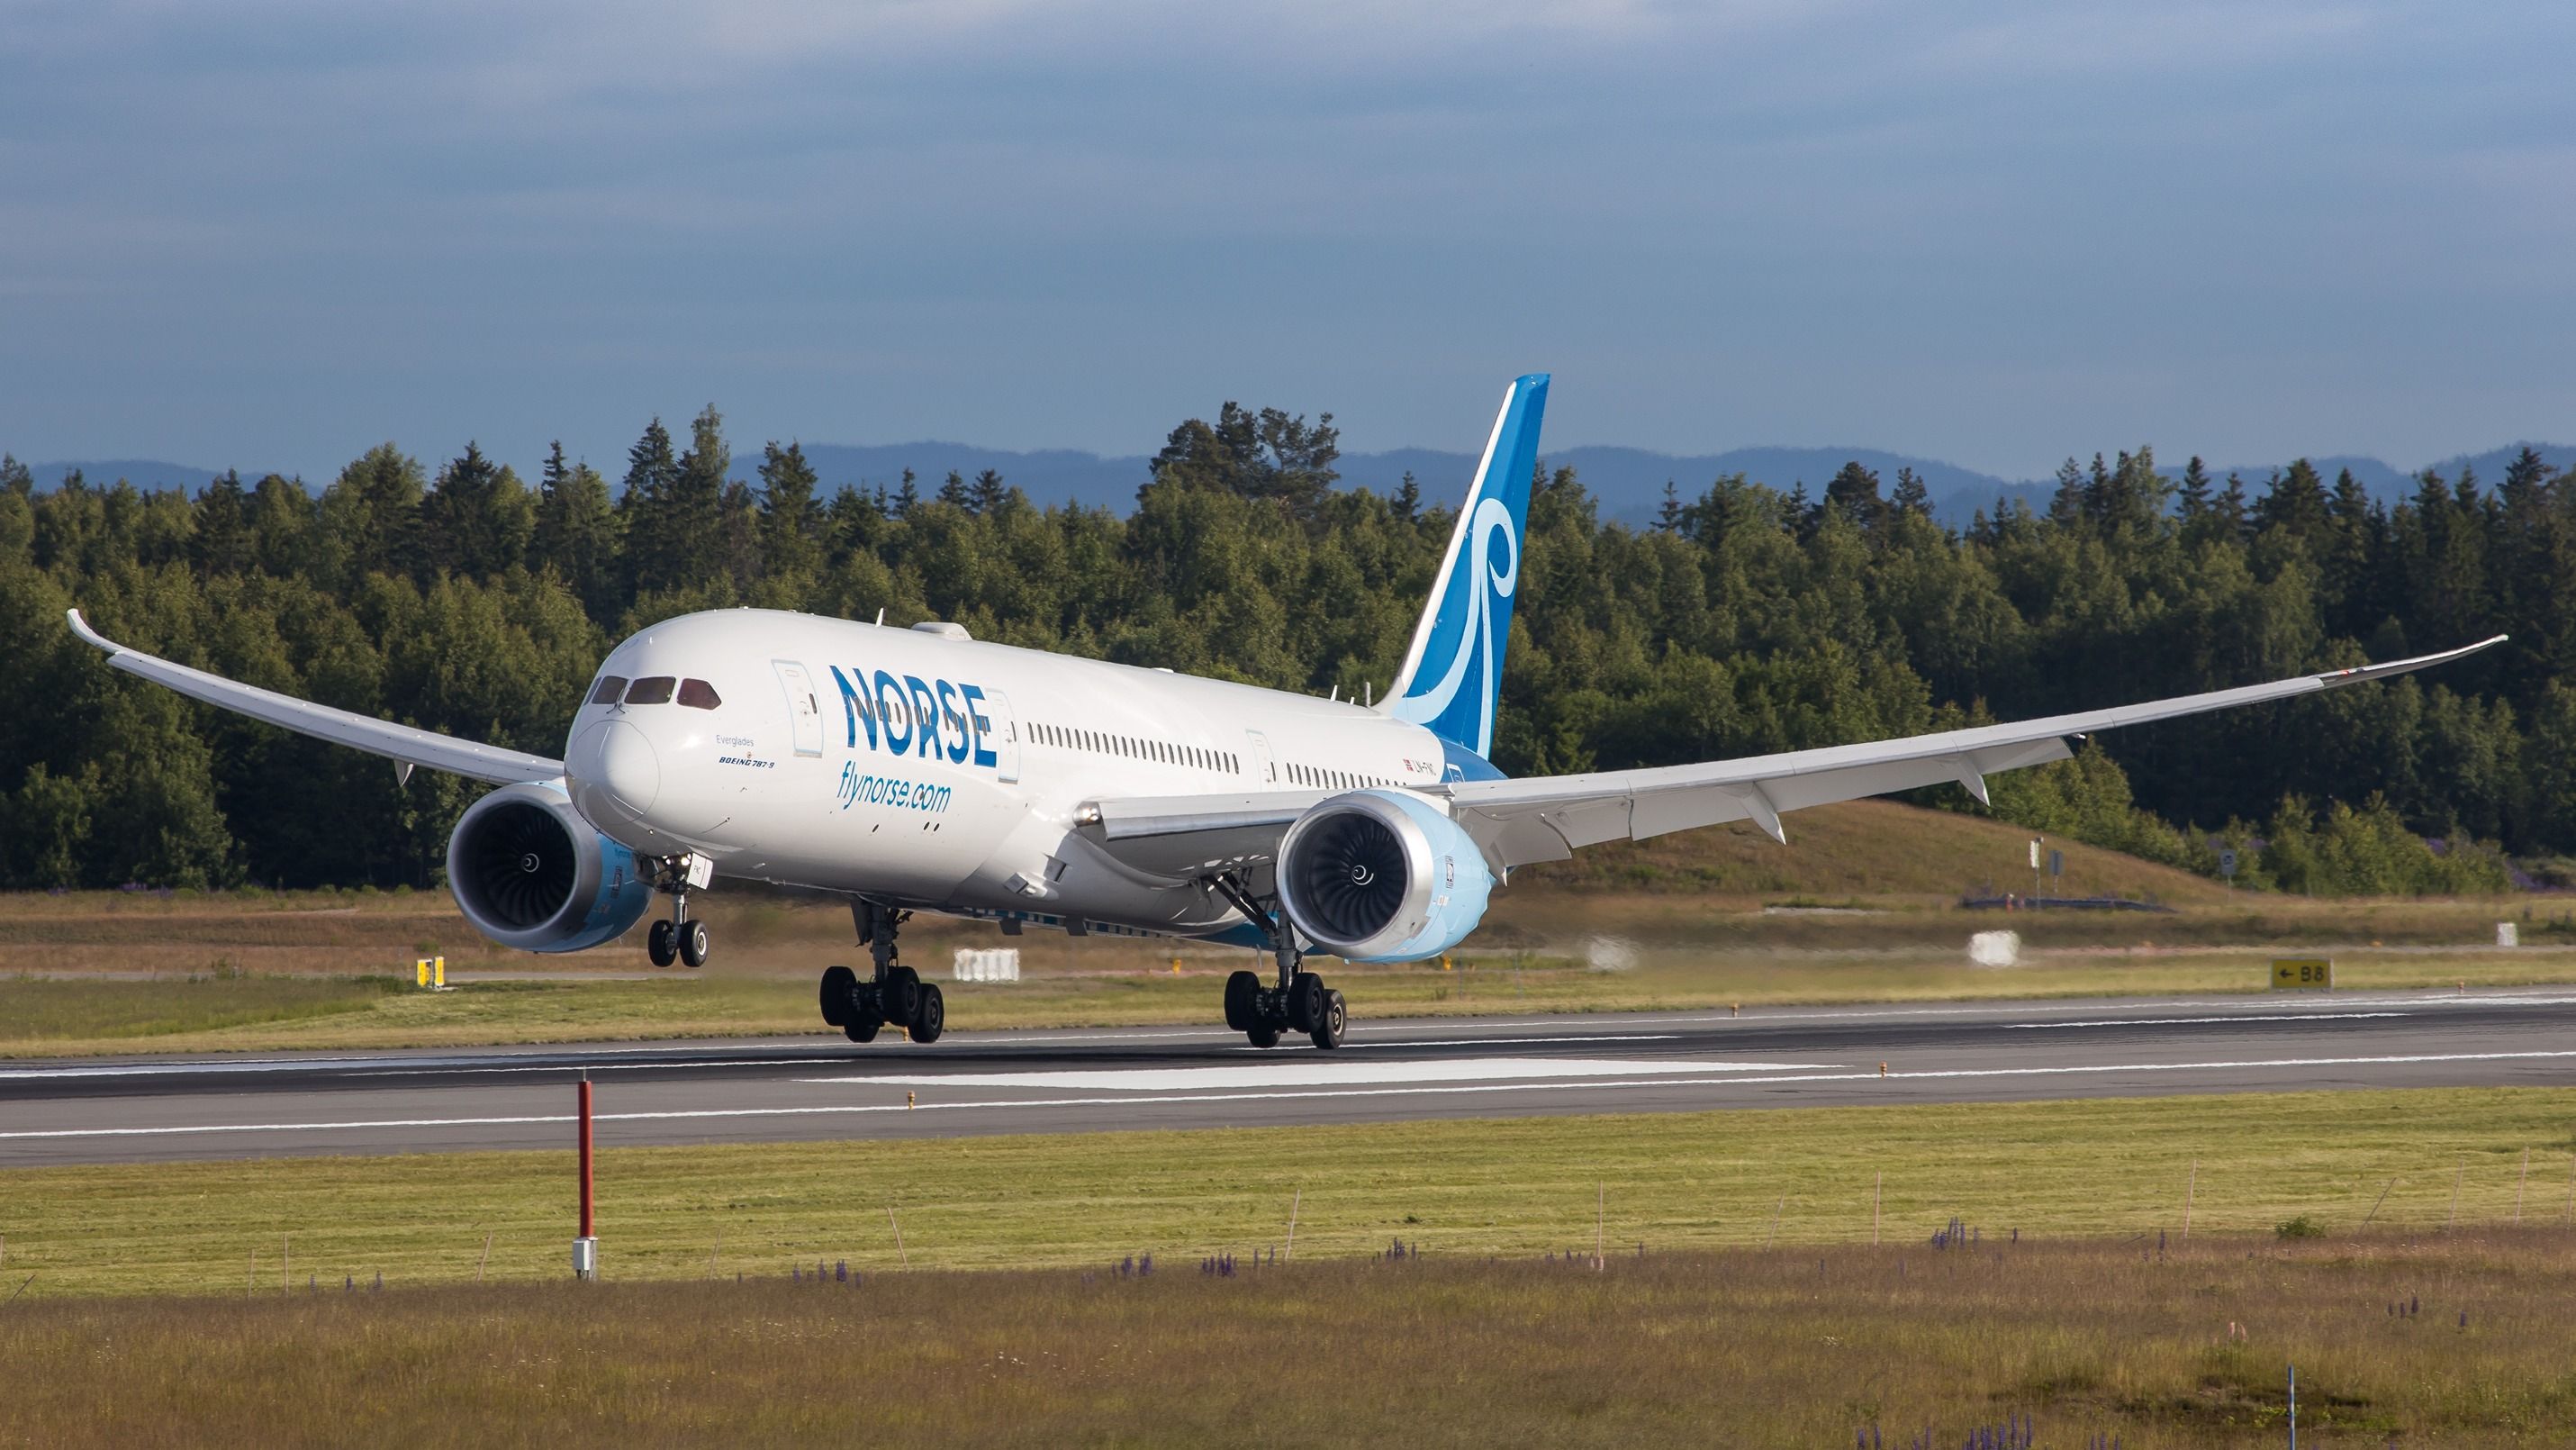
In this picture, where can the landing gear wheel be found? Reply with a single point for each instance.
(662, 944)
(862, 1030)
(900, 992)
(1263, 1035)
(1336, 1019)
(930, 1018)
(1305, 1001)
(840, 993)
(1242, 1000)
(693, 943)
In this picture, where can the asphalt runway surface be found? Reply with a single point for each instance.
(1060, 1081)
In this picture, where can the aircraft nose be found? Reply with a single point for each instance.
(614, 766)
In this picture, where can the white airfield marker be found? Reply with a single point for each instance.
(1299, 1072)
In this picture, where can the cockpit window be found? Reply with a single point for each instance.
(610, 687)
(698, 695)
(651, 690)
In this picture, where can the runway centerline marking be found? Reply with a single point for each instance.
(1298, 1072)
(2201, 1021)
(1418, 1089)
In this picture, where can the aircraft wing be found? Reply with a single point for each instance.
(404, 743)
(1543, 818)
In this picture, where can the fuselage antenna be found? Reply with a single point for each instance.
(880, 616)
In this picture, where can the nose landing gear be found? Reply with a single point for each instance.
(680, 938)
(894, 996)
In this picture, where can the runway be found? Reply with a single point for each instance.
(747, 1090)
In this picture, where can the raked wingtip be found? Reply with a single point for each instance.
(88, 635)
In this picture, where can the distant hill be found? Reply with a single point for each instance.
(145, 473)
(1629, 482)
(1868, 848)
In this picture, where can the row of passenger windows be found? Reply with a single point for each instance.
(1333, 779)
(655, 690)
(1135, 748)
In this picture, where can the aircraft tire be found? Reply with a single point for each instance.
(1263, 1034)
(901, 995)
(1335, 1021)
(1242, 1000)
(930, 1017)
(694, 944)
(863, 1029)
(662, 943)
(1305, 1001)
(840, 989)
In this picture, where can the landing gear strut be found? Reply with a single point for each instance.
(1299, 1003)
(679, 938)
(895, 995)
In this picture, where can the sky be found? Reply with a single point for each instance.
(271, 233)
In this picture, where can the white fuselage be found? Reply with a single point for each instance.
(944, 773)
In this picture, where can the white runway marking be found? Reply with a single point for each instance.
(1314, 1071)
(1573, 1085)
(2200, 1021)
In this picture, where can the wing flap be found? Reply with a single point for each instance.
(1520, 822)
(406, 744)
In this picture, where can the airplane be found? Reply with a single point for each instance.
(920, 769)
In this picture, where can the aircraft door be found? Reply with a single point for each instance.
(1005, 734)
(804, 712)
(1265, 771)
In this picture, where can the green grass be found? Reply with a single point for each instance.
(158, 1312)
(40, 1014)
(1513, 1187)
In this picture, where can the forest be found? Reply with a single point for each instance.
(1745, 619)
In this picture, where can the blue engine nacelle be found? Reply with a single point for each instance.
(530, 873)
(1382, 876)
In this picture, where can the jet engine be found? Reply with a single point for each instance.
(530, 873)
(1382, 876)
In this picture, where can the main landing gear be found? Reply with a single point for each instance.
(678, 938)
(895, 996)
(1299, 1003)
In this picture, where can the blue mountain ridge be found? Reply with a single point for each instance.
(1629, 482)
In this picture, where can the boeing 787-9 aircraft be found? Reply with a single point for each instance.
(922, 770)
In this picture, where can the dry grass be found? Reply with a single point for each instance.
(1790, 1347)
(1742, 1301)
(1701, 920)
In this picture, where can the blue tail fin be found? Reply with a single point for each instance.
(1454, 670)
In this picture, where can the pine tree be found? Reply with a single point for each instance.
(791, 519)
(953, 493)
(1668, 518)
(576, 534)
(1408, 498)
(1913, 496)
(222, 544)
(477, 520)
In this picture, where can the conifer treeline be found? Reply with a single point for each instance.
(1745, 620)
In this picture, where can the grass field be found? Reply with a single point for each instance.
(2457, 1341)
(1861, 907)
(1741, 1302)
(1510, 1187)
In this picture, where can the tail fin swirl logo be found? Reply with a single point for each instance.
(1453, 672)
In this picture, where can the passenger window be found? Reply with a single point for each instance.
(652, 690)
(610, 687)
(698, 695)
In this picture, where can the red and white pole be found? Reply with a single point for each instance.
(585, 1249)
